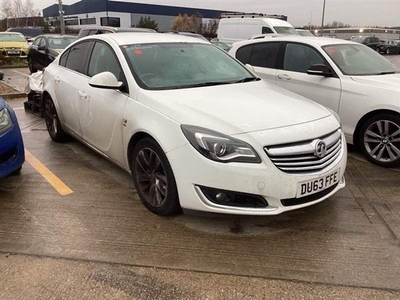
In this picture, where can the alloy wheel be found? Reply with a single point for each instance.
(151, 177)
(382, 141)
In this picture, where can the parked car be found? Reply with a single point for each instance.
(236, 29)
(96, 29)
(371, 41)
(13, 44)
(196, 129)
(45, 48)
(12, 154)
(359, 84)
(304, 32)
(390, 47)
(29, 32)
(221, 45)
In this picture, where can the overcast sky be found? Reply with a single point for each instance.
(300, 12)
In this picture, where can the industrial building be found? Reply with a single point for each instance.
(122, 13)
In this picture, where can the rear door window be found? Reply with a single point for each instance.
(265, 55)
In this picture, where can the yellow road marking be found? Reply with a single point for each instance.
(60, 186)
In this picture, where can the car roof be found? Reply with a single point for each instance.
(117, 29)
(11, 32)
(55, 36)
(311, 40)
(125, 38)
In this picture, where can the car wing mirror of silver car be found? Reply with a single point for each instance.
(105, 80)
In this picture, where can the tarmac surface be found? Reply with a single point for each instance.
(99, 242)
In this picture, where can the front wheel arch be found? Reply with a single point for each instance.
(361, 122)
(169, 203)
(381, 132)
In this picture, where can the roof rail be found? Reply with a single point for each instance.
(252, 15)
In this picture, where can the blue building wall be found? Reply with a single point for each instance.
(92, 6)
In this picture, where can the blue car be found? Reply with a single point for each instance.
(12, 154)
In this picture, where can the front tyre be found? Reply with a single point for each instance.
(154, 179)
(53, 124)
(380, 140)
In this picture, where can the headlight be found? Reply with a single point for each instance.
(219, 147)
(5, 121)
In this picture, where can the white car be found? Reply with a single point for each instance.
(351, 79)
(195, 128)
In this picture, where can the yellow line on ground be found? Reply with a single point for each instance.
(60, 186)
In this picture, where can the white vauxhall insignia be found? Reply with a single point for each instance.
(195, 128)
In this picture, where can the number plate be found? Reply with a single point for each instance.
(12, 52)
(313, 186)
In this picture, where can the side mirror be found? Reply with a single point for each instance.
(320, 69)
(105, 80)
(41, 47)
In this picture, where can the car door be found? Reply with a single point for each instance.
(101, 110)
(41, 54)
(293, 76)
(69, 81)
(34, 53)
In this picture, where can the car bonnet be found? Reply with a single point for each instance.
(388, 81)
(234, 108)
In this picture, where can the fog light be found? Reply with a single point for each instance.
(232, 198)
(222, 197)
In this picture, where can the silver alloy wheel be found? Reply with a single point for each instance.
(151, 177)
(382, 141)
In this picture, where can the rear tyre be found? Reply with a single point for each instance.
(53, 124)
(154, 179)
(380, 140)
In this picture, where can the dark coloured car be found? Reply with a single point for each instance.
(370, 41)
(390, 47)
(45, 48)
(12, 154)
(91, 30)
(29, 32)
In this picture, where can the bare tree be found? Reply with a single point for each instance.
(6, 8)
(17, 9)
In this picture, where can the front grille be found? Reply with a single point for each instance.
(299, 158)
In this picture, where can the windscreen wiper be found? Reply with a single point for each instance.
(247, 79)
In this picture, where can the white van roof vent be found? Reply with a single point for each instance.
(252, 15)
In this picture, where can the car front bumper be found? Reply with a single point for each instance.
(196, 174)
(12, 154)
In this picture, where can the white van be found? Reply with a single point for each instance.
(232, 30)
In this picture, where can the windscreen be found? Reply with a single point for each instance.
(354, 59)
(183, 65)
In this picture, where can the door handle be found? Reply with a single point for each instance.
(57, 79)
(284, 77)
(82, 94)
